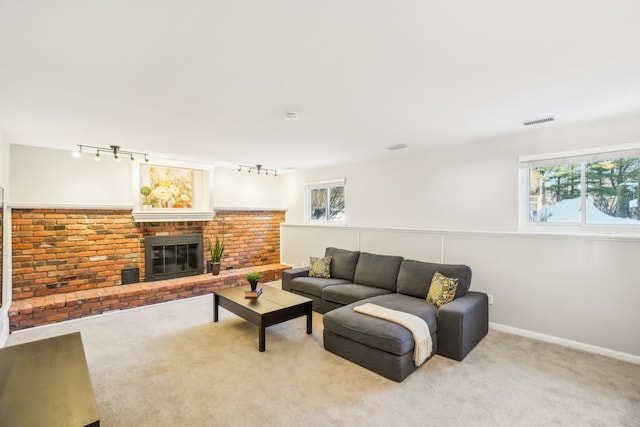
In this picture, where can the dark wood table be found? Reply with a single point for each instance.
(272, 307)
(47, 383)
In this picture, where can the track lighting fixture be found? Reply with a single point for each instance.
(258, 169)
(113, 149)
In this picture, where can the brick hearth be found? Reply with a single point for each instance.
(48, 309)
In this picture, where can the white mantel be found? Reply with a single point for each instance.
(165, 215)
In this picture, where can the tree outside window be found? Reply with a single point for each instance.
(602, 192)
(613, 187)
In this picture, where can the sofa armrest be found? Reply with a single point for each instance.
(462, 323)
(288, 275)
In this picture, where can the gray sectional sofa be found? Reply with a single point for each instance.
(399, 284)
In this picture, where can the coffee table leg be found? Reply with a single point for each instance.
(309, 319)
(216, 301)
(261, 337)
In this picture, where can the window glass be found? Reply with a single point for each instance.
(337, 204)
(613, 191)
(318, 203)
(554, 193)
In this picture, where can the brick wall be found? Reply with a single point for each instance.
(66, 250)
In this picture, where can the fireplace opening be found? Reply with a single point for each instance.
(168, 257)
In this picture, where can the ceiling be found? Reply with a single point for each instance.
(211, 80)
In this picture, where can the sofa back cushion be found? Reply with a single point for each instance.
(343, 263)
(380, 271)
(414, 277)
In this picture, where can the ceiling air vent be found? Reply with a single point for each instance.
(538, 121)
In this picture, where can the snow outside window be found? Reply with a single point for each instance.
(324, 202)
(589, 190)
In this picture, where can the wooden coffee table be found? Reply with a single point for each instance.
(47, 383)
(272, 307)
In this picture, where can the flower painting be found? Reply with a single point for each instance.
(171, 187)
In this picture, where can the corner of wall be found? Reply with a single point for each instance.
(6, 279)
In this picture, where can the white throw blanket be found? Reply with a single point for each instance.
(418, 327)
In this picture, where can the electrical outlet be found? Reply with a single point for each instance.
(490, 299)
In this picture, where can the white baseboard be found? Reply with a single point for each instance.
(626, 357)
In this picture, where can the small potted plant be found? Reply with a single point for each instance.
(216, 250)
(253, 278)
(145, 190)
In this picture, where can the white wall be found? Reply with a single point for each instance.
(461, 206)
(437, 190)
(41, 177)
(245, 190)
(6, 242)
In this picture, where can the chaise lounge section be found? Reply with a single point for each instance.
(398, 284)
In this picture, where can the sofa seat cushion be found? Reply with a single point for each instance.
(378, 333)
(313, 285)
(350, 292)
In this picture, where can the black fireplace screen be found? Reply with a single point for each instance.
(167, 257)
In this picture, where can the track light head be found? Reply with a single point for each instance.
(78, 153)
(114, 150)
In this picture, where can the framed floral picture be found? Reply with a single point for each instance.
(171, 187)
(172, 192)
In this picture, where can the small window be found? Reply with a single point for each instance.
(324, 202)
(595, 189)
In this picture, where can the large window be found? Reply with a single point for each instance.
(324, 202)
(597, 189)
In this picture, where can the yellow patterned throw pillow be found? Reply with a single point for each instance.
(320, 267)
(442, 289)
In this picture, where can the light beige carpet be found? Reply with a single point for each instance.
(169, 365)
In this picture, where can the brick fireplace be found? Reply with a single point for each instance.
(66, 250)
